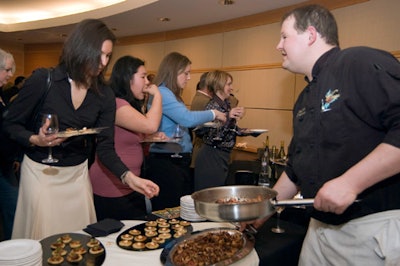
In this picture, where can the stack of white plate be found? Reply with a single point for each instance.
(188, 211)
(20, 252)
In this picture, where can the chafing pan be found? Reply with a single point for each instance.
(205, 202)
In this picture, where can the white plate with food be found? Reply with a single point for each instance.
(77, 132)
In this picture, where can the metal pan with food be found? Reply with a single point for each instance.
(240, 203)
(223, 246)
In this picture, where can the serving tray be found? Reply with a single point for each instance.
(247, 238)
(88, 258)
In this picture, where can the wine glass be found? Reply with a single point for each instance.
(277, 228)
(177, 136)
(52, 129)
(218, 126)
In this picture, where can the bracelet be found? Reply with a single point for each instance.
(123, 177)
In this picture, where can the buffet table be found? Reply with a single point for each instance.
(118, 256)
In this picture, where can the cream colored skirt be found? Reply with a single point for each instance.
(52, 200)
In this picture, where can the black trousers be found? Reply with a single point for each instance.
(129, 207)
(172, 175)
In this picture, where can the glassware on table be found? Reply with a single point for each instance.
(52, 129)
(178, 135)
(278, 229)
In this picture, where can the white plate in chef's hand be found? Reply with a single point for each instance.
(78, 132)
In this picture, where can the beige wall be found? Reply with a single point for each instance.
(262, 87)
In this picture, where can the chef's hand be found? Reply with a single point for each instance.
(335, 196)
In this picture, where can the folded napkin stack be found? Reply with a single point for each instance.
(104, 227)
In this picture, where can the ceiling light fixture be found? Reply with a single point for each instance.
(226, 2)
(164, 19)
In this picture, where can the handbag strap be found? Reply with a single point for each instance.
(38, 107)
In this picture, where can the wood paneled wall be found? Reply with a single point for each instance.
(246, 48)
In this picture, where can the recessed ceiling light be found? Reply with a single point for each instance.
(226, 2)
(164, 19)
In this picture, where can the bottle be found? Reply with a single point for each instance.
(264, 176)
(281, 153)
(274, 174)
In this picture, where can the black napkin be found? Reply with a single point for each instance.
(104, 227)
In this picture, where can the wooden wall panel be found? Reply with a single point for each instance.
(204, 51)
(374, 23)
(151, 53)
(251, 46)
(269, 88)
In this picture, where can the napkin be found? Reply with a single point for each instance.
(104, 227)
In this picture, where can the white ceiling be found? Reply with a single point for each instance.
(130, 21)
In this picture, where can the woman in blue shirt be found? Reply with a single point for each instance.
(171, 172)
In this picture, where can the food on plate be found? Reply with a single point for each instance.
(164, 224)
(151, 223)
(165, 235)
(59, 251)
(93, 242)
(151, 233)
(139, 245)
(207, 249)
(161, 220)
(181, 231)
(164, 230)
(159, 240)
(177, 226)
(57, 244)
(80, 250)
(236, 200)
(127, 237)
(174, 221)
(134, 232)
(75, 243)
(74, 257)
(55, 260)
(125, 243)
(184, 223)
(66, 238)
(178, 234)
(140, 238)
(152, 245)
(96, 250)
(150, 228)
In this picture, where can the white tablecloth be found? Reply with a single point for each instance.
(118, 256)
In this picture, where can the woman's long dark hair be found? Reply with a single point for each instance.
(81, 53)
(122, 73)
